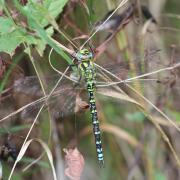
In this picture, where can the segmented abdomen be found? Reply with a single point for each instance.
(89, 75)
(95, 122)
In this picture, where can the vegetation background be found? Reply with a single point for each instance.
(139, 119)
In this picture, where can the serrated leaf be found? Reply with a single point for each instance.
(45, 12)
(41, 44)
(6, 25)
(10, 40)
(34, 24)
(12, 36)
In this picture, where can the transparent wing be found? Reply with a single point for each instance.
(124, 69)
(152, 77)
(28, 97)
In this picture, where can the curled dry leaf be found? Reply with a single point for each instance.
(75, 163)
(80, 105)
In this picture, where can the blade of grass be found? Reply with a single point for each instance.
(10, 70)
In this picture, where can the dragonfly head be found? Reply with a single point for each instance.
(84, 55)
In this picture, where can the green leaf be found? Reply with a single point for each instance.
(1, 3)
(46, 11)
(9, 41)
(11, 37)
(14, 129)
(43, 35)
(7, 25)
(41, 44)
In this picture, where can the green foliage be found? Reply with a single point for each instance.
(34, 24)
(44, 12)
(6, 25)
(12, 36)
(41, 43)
(14, 129)
(6, 170)
(2, 4)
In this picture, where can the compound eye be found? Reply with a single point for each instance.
(83, 55)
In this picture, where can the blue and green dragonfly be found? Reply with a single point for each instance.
(87, 72)
(89, 76)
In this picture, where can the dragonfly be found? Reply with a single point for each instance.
(63, 100)
(87, 72)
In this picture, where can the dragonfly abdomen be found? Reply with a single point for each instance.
(95, 121)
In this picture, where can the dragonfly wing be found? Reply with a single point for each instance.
(126, 69)
(28, 97)
(151, 77)
(60, 105)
